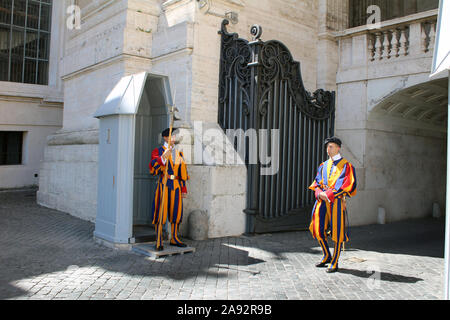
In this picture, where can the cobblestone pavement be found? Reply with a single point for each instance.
(46, 254)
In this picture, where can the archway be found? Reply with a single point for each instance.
(405, 158)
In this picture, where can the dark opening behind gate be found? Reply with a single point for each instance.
(261, 91)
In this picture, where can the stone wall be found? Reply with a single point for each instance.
(295, 23)
(114, 40)
(400, 160)
(37, 120)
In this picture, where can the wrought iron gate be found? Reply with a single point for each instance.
(261, 87)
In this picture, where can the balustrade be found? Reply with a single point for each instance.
(397, 41)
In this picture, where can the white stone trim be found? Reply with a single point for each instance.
(388, 23)
(102, 64)
(169, 3)
(183, 51)
(93, 8)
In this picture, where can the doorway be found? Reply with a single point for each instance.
(405, 157)
(151, 119)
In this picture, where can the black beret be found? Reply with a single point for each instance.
(166, 132)
(334, 140)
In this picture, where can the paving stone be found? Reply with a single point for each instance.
(51, 255)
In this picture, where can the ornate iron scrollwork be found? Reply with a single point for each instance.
(277, 62)
(261, 87)
(256, 31)
(274, 61)
(234, 60)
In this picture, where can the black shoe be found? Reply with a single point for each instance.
(160, 248)
(332, 270)
(322, 264)
(181, 245)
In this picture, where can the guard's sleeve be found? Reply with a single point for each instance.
(183, 174)
(345, 184)
(317, 181)
(156, 164)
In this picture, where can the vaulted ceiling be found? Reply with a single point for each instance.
(425, 103)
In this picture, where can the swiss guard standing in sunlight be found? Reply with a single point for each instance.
(335, 180)
(168, 163)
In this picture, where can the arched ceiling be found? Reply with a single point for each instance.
(424, 103)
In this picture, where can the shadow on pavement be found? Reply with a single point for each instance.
(38, 241)
(419, 237)
(383, 276)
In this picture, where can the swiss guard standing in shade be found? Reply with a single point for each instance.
(175, 189)
(335, 180)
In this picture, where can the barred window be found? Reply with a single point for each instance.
(25, 40)
(390, 9)
(11, 147)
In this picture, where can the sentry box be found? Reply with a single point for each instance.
(131, 120)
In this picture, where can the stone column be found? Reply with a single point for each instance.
(333, 16)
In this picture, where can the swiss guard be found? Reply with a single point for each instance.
(172, 203)
(335, 181)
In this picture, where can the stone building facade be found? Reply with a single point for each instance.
(390, 116)
(31, 103)
(393, 116)
(178, 39)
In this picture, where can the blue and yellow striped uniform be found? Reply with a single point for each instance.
(338, 180)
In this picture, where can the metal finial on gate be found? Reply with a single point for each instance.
(256, 32)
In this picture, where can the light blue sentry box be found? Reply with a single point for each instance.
(131, 119)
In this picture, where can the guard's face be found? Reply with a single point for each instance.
(332, 149)
(173, 138)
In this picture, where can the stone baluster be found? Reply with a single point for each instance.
(394, 43)
(371, 46)
(386, 49)
(432, 36)
(378, 46)
(403, 51)
(423, 37)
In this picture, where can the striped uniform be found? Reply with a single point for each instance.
(338, 180)
(172, 202)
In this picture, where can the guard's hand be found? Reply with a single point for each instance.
(166, 153)
(317, 193)
(184, 195)
(323, 196)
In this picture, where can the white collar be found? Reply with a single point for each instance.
(336, 157)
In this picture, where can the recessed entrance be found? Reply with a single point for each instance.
(406, 151)
(151, 118)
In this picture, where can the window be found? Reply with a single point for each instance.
(390, 9)
(11, 147)
(25, 40)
